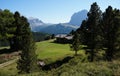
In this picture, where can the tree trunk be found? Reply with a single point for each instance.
(75, 53)
(92, 55)
(11, 44)
(109, 54)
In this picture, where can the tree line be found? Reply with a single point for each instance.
(15, 28)
(37, 36)
(100, 31)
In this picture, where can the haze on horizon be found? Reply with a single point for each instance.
(53, 11)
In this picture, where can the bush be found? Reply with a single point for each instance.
(78, 59)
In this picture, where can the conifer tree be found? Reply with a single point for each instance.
(83, 32)
(117, 34)
(28, 59)
(110, 28)
(92, 29)
(76, 43)
(19, 31)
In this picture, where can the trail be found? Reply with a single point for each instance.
(8, 63)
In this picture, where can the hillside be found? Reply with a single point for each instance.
(61, 28)
(47, 50)
(51, 52)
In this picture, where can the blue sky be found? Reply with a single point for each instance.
(54, 11)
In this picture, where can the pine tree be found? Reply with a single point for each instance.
(110, 26)
(92, 29)
(19, 31)
(28, 59)
(117, 34)
(76, 43)
(107, 32)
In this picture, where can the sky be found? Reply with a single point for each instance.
(54, 11)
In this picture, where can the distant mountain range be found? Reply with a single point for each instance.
(61, 28)
(36, 24)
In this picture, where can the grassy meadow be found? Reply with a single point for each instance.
(49, 51)
(9, 70)
(78, 66)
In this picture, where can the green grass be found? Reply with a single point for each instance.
(78, 66)
(47, 50)
(9, 70)
(7, 47)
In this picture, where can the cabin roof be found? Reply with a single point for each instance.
(68, 37)
(61, 35)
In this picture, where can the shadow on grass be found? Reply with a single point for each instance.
(56, 64)
(62, 42)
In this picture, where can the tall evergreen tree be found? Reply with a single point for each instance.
(117, 34)
(19, 31)
(76, 43)
(28, 59)
(92, 29)
(110, 26)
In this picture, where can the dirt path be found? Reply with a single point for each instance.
(7, 63)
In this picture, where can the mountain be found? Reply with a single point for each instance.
(77, 18)
(61, 28)
(39, 26)
(36, 24)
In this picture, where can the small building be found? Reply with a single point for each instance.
(63, 38)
